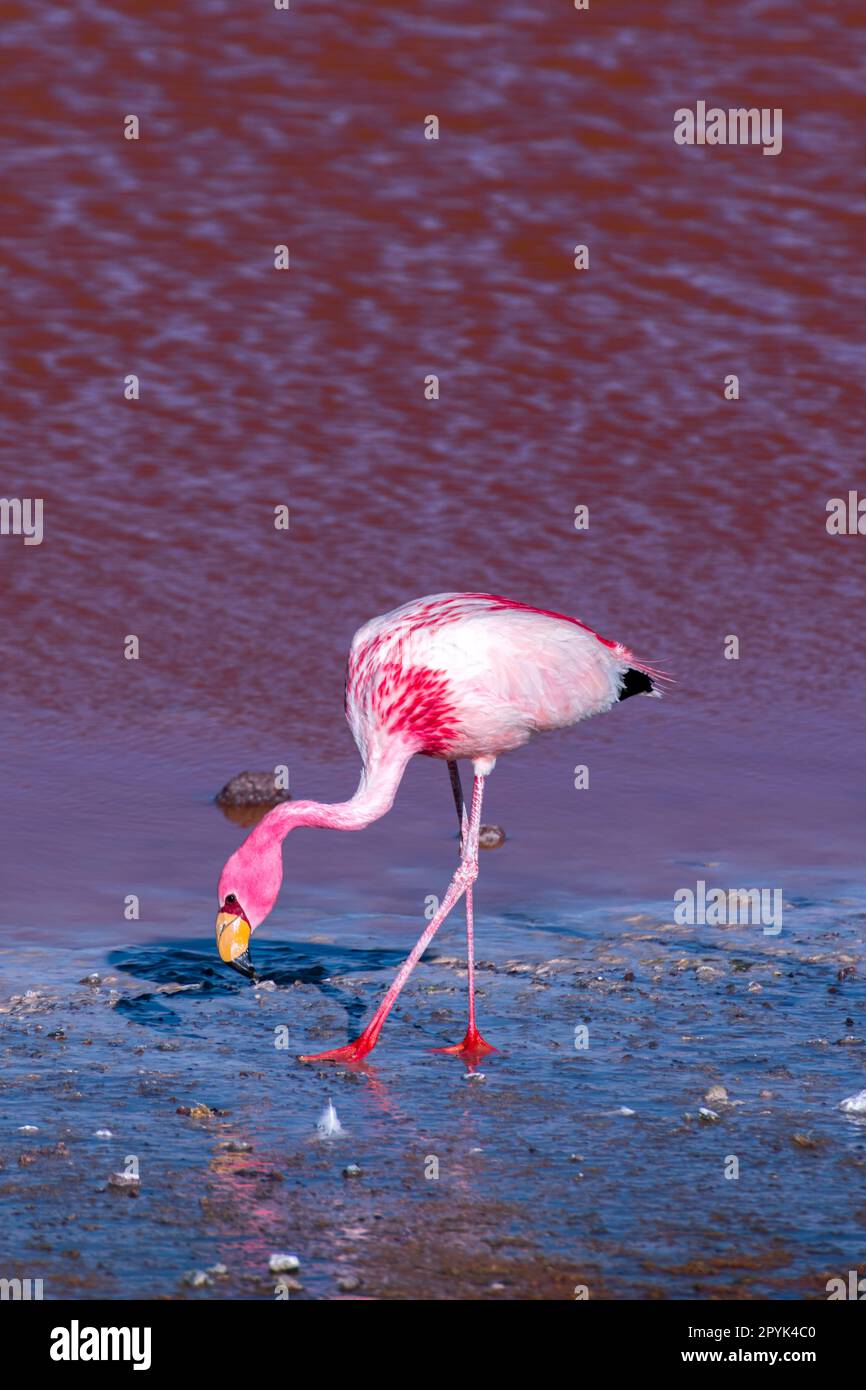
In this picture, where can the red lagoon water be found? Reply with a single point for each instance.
(558, 388)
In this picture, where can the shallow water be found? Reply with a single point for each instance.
(543, 1183)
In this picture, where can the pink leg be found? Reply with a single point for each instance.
(473, 1045)
(466, 874)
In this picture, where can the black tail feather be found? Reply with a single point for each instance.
(636, 683)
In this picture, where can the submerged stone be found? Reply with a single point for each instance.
(252, 789)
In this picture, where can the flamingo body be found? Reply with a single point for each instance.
(475, 675)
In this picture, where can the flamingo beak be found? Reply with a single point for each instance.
(233, 940)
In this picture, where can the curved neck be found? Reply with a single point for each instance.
(380, 778)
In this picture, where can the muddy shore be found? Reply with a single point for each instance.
(554, 1167)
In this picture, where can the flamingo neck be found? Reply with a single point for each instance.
(380, 778)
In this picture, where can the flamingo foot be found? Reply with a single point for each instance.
(353, 1052)
(472, 1046)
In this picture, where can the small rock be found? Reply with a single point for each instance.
(347, 1283)
(352, 1171)
(235, 1146)
(716, 1095)
(251, 789)
(219, 1271)
(706, 972)
(92, 979)
(491, 837)
(126, 1182)
(709, 1117)
(283, 1264)
(198, 1111)
(197, 1278)
(28, 1129)
(496, 1288)
(103, 1134)
(475, 1076)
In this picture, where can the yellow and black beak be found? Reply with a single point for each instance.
(233, 933)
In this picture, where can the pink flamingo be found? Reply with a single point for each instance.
(451, 676)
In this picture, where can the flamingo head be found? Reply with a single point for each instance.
(248, 888)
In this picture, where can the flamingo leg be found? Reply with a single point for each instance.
(467, 872)
(473, 1045)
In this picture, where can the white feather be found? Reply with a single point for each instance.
(328, 1125)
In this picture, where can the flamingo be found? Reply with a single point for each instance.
(452, 676)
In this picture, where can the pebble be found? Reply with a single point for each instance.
(283, 1264)
(125, 1181)
(28, 1129)
(352, 1171)
(236, 1146)
(102, 1134)
(491, 837)
(708, 1116)
(197, 1278)
(347, 1283)
(716, 1094)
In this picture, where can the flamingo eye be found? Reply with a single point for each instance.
(230, 898)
